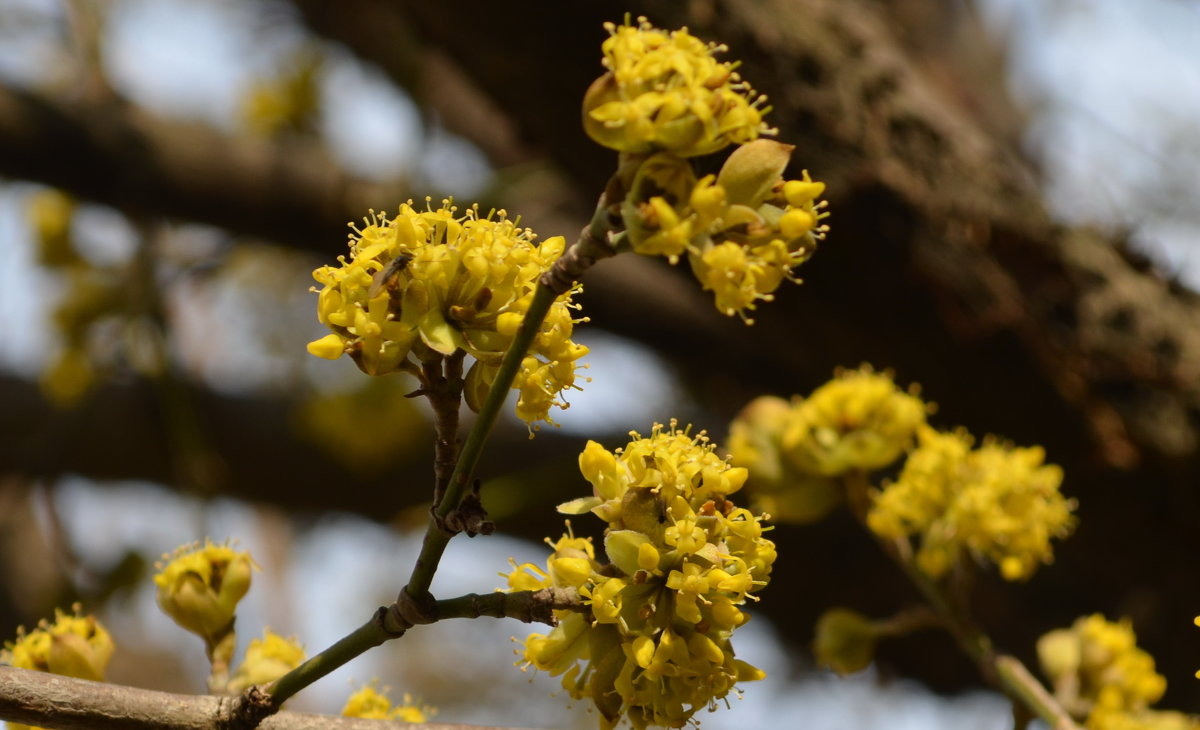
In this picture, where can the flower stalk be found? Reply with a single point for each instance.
(1008, 673)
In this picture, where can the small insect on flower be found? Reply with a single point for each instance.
(385, 276)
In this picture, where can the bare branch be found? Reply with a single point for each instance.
(119, 155)
(63, 703)
(118, 434)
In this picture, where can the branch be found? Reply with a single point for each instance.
(1005, 672)
(392, 622)
(63, 703)
(52, 701)
(119, 155)
(118, 434)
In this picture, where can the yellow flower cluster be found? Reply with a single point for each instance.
(667, 91)
(267, 659)
(72, 646)
(743, 230)
(200, 586)
(371, 704)
(656, 646)
(430, 283)
(368, 429)
(859, 421)
(1098, 672)
(664, 99)
(1142, 720)
(996, 501)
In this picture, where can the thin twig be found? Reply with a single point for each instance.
(593, 244)
(1006, 672)
(442, 385)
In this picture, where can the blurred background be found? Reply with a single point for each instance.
(1014, 227)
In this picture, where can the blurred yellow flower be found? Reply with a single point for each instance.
(845, 641)
(267, 659)
(858, 421)
(775, 485)
(71, 646)
(372, 704)
(997, 501)
(1098, 672)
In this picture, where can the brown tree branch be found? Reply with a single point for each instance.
(116, 154)
(63, 703)
(119, 434)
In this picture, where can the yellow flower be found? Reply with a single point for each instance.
(1101, 719)
(267, 659)
(683, 557)
(200, 586)
(1098, 671)
(997, 501)
(372, 704)
(859, 421)
(666, 91)
(72, 646)
(431, 283)
(368, 429)
(68, 377)
(50, 214)
(776, 486)
(767, 227)
(287, 103)
(744, 230)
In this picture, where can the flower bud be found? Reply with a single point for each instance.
(845, 640)
(641, 511)
(72, 646)
(624, 549)
(329, 347)
(200, 588)
(1059, 653)
(753, 170)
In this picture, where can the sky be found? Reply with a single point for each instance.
(1115, 90)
